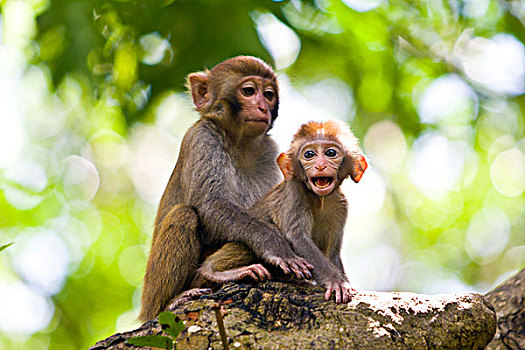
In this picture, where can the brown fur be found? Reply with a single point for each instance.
(314, 231)
(225, 165)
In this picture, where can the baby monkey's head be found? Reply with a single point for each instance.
(322, 155)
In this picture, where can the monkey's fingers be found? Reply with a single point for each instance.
(251, 274)
(301, 267)
(305, 264)
(348, 292)
(279, 262)
(297, 270)
(262, 272)
(329, 290)
(345, 295)
(338, 292)
(305, 267)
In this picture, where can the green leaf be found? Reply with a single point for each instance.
(171, 324)
(6, 245)
(158, 341)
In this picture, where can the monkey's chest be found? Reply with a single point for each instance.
(322, 233)
(248, 187)
(328, 223)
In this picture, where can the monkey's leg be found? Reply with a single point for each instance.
(233, 262)
(173, 260)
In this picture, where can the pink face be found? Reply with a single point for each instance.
(257, 97)
(321, 160)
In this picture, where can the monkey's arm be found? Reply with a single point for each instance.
(295, 228)
(325, 272)
(210, 187)
(338, 232)
(324, 269)
(338, 263)
(335, 254)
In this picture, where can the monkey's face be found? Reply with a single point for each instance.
(257, 97)
(321, 161)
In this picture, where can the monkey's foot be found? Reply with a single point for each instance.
(256, 272)
(187, 296)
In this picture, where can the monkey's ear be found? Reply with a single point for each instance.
(359, 167)
(285, 165)
(198, 84)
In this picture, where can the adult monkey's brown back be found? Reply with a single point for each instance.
(226, 163)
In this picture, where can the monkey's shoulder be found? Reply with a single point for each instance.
(204, 133)
(271, 205)
(207, 134)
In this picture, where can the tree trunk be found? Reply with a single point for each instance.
(274, 315)
(509, 301)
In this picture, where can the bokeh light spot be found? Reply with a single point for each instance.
(377, 267)
(487, 235)
(386, 146)
(461, 102)
(279, 39)
(127, 321)
(23, 311)
(108, 149)
(174, 113)
(28, 174)
(497, 64)
(42, 259)
(296, 108)
(12, 135)
(367, 196)
(130, 266)
(507, 172)
(334, 96)
(155, 47)
(81, 179)
(21, 199)
(363, 5)
(153, 158)
(436, 164)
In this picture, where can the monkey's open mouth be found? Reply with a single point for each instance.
(322, 182)
(322, 185)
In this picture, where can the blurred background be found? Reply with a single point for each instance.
(93, 109)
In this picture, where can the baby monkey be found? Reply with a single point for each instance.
(308, 208)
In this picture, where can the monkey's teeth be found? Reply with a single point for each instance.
(322, 182)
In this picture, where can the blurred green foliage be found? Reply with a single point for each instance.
(92, 113)
(171, 325)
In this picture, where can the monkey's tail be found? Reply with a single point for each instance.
(172, 261)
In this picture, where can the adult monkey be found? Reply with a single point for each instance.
(226, 163)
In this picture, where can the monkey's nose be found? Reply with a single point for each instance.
(263, 108)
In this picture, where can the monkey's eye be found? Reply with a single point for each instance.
(248, 90)
(330, 153)
(309, 154)
(269, 94)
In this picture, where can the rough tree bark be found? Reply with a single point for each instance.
(275, 315)
(509, 301)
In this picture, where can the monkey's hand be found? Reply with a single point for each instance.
(293, 263)
(342, 289)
